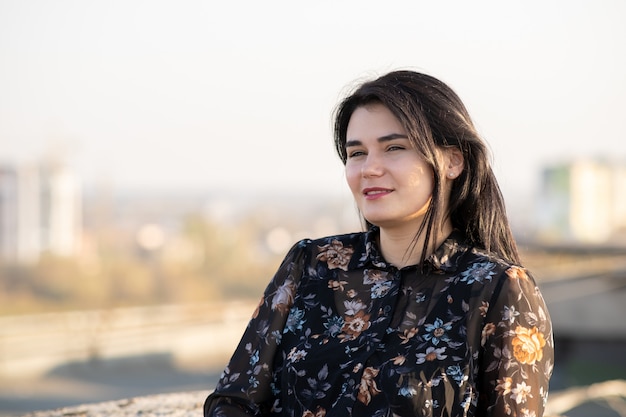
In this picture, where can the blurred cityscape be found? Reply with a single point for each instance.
(62, 247)
(168, 266)
(44, 211)
(583, 202)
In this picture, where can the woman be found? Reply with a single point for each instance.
(427, 312)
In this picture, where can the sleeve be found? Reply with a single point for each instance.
(518, 349)
(244, 388)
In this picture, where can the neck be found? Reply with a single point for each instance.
(400, 248)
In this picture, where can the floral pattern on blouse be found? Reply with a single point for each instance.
(340, 332)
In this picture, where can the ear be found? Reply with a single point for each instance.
(454, 162)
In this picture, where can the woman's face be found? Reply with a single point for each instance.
(391, 183)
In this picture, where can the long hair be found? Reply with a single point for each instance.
(435, 118)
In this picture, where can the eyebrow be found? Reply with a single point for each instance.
(382, 139)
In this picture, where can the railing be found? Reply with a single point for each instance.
(32, 345)
(610, 393)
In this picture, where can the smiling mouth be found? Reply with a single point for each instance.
(376, 192)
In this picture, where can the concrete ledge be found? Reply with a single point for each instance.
(188, 404)
(185, 404)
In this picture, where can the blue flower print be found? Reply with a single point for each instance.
(456, 374)
(254, 359)
(407, 392)
(478, 272)
(437, 331)
(509, 314)
(353, 307)
(294, 321)
(380, 289)
(466, 402)
(334, 325)
(317, 386)
(277, 336)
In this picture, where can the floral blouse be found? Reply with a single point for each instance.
(340, 332)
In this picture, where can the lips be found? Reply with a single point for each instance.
(376, 192)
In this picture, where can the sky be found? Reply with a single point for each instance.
(239, 95)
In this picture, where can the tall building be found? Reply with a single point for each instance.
(61, 214)
(28, 213)
(40, 210)
(582, 202)
(8, 212)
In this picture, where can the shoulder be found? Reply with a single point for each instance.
(481, 264)
(477, 255)
(335, 250)
(347, 241)
(511, 286)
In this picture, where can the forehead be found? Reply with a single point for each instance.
(373, 120)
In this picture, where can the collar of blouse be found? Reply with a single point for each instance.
(445, 258)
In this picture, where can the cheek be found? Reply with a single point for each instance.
(352, 177)
(423, 178)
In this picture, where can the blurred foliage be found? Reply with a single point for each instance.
(200, 261)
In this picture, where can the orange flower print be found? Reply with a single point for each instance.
(399, 360)
(432, 354)
(335, 255)
(283, 298)
(319, 412)
(372, 276)
(296, 355)
(504, 385)
(488, 330)
(528, 345)
(407, 335)
(368, 387)
(484, 308)
(516, 272)
(353, 326)
(337, 285)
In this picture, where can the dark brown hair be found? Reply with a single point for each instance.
(435, 118)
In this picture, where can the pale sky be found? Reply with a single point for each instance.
(239, 94)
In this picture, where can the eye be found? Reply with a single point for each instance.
(395, 147)
(355, 153)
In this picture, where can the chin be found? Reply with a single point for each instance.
(383, 223)
(386, 222)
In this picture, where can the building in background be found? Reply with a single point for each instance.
(8, 212)
(582, 202)
(40, 211)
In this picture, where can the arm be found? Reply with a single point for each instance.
(244, 388)
(518, 349)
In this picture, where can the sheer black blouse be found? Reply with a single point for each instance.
(340, 332)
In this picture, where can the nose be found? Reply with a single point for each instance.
(372, 166)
